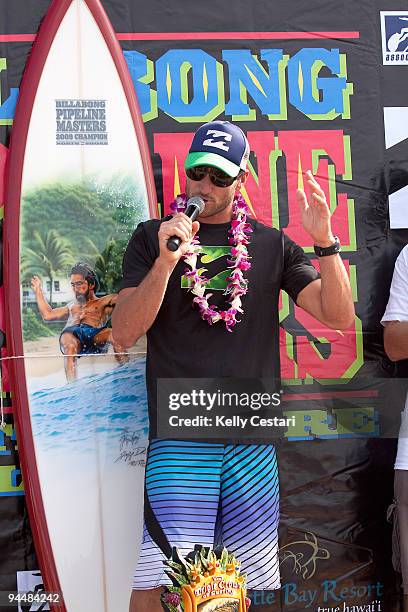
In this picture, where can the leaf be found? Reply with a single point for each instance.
(178, 557)
(204, 560)
(178, 578)
(178, 567)
(224, 558)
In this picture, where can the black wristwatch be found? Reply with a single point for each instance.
(330, 250)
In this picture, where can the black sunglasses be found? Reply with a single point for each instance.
(217, 177)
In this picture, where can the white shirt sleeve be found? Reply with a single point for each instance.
(397, 307)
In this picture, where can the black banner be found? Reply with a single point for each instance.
(313, 88)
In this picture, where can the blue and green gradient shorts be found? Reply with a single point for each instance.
(211, 494)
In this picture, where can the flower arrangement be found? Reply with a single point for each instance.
(206, 579)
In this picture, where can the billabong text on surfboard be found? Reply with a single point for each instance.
(81, 122)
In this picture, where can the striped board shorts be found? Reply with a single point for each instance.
(211, 494)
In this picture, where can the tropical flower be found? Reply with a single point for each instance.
(173, 599)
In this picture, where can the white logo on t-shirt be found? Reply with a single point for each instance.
(218, 144)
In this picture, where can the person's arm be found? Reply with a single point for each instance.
(137, 307)
(396, 339)
(109, 303)
(328, 299)
(46, 311)
(110, 300)
(395, 318)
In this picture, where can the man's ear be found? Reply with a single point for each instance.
(242, 180)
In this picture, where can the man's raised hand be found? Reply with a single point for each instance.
(315, 212)
(36, 284)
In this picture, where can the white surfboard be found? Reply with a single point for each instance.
(79, 181)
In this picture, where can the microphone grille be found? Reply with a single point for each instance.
(196, 201)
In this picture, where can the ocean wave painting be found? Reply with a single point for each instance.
(108, 410)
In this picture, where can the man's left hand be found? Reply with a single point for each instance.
(315, 212)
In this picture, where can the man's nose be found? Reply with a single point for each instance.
(206, 184)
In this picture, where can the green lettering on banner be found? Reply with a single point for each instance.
(342, 423)
(7, 432)
(190, 84)
(347, 91)
(8, 107)
(10, 481)
(148, 78)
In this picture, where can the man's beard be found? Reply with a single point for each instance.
(82, 298)
(212, 208)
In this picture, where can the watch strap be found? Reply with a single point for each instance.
(330, 250)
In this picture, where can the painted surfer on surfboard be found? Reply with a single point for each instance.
(86, 317)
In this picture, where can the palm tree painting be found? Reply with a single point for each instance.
(107, 263)
(47, 255)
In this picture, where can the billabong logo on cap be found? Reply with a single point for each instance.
(219, 144)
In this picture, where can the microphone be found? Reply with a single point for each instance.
(195, 207)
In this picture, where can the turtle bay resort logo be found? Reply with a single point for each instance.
(394, 35)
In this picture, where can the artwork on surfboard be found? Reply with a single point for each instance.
(79, 181)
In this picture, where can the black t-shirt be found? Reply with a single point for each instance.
(180, 344)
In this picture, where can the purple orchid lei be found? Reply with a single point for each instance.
(238, 262)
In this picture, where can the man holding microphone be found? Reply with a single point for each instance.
(207, 492)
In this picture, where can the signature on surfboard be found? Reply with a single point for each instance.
(130, 451)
